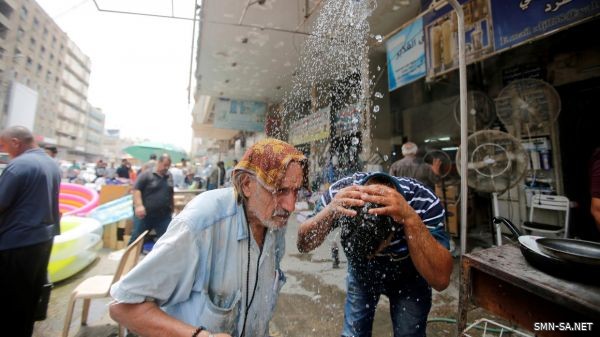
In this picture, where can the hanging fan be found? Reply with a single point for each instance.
(446, 162)
(528, 106)
(480, 111)
(497, 161)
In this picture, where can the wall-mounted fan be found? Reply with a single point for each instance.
(480, 111)
(497, 161)
(528, 106)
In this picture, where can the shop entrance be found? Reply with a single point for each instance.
(579, 124)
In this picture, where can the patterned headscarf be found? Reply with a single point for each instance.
(268, 159)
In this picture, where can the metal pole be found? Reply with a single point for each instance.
(462, 72)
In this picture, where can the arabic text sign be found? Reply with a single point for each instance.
(406, 55)
(519, 21)
(310, 128)
(240, 115)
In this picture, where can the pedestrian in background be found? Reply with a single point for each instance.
(413, 167)
(153, 199)
(217, 268)
(29, 219)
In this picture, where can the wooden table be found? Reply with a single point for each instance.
(499, 280)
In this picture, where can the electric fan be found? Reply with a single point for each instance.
(497, 161)
(480, 111)
(527, 106)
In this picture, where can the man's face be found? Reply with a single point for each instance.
(163, 166)
(12, 146)
(273, 207)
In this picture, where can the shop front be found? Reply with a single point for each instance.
(531, 77)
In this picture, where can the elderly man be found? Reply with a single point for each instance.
(153, 201)
(216, 271)
(411, 167)
(29, 219)
(393, 235)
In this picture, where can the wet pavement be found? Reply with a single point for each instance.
(311, 302)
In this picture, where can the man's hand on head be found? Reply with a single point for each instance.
(391, 202)
(344, 200)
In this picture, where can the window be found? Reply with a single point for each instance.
(42, 51)
(39, 69)
(32, 42)
(20, 33)
(36, 23)
(29, 62)
(24, 13)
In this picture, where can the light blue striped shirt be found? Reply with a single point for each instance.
(197, 270)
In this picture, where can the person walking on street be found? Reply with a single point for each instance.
(153, 199)
(29, 220)
(216, 271)
(393, 235)
(412, 167)
(123, 170)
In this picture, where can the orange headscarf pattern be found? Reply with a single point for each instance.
(268, 160)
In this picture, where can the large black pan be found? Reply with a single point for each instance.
(580, 251)
(539, 259)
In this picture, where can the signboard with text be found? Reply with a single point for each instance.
(521, 20)
(311, 128)
(240, 115)
(406, 55)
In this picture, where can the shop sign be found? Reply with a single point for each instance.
(441, 35)
(347, 121)
(518, 21)
(406, 55)
(311, 128)
(239, 115)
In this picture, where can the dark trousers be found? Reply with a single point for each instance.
(159, 223)
(23, 272)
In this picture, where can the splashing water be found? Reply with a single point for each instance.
(332, 62)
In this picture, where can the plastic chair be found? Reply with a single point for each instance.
(549, 202)
(99, 286)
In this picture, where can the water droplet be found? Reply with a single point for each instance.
(385, 157)
(378, 69)
(376, 108)
(378, 95)
(355, 140)
(379, 38)
(367, 306)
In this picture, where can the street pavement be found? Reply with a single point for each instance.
(311, 302)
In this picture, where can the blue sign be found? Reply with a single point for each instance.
(517, 21)
(240, 115)
(406, 55)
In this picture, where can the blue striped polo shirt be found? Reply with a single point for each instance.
(425, 203)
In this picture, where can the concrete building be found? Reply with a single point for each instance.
(44, 82)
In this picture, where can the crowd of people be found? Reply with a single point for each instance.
(216, 269)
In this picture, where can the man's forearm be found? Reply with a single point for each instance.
(137, 198)
(313, 231)
(595, 209)
(148, 320)
(431, 259)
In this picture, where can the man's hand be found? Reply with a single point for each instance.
(435, 166)
(140, 211)
(346, 198)
(313, 231)
(391, 202)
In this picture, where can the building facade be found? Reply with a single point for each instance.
(44, 82)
